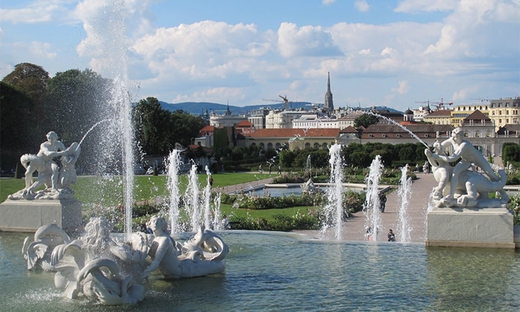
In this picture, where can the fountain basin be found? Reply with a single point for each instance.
(289, 272)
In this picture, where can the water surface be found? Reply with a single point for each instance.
(283, 272)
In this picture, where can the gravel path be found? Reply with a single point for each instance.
(354, 228)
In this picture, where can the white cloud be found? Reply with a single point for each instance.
(327, 2)
(403, 87)
(107, 25)
(362, 5)
(464, 94)
(37, 12)
(203, 50)
(472, 21)
(42, 49)
(411, 6)
(305, 41)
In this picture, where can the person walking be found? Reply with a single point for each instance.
(382, 202)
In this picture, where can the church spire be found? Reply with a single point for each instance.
(329, 105)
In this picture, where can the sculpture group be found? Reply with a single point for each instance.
(110, 271)
(55, 165)
(469, 182)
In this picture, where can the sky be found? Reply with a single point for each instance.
(395, 53)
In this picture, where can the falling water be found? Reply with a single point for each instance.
(372, 203)
(207, 200)
(108, 45)
(91, 128)
(398, 124)
(173, 187)
(308, 166)
(428, 209)
(333, 209)
(217, 217)
(192, 198)
(405, 193)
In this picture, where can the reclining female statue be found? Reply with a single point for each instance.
(203, 255)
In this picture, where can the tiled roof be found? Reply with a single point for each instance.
(477, 115)
(207, 129)
(415, 128)
(440, 113)
(244, 124)
(290, 133)
(349, 129)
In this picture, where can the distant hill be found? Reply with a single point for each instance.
(198, 108)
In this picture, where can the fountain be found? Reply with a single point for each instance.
(372, 204)
(197, 204)
(333, 208)
(399, 125)
(192, 199)
(173, 187)
(259, 265)
(405, 193)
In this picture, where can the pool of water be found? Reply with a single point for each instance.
(287, 272)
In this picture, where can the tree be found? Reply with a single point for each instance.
(17, 135)
(76, 100)
(286, 158)
(365, 120)
(152, 127)
(31, 83)
(30, 79)
(510, 152)
(185, 127)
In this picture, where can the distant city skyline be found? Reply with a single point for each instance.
(393, 53)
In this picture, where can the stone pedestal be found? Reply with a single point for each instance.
(465, 227)
(29, 215)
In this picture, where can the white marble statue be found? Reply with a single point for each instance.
(55, 165)
(467, 186)
(110, 272)
(38, 252)
(309, 187)
(202, 255)
(101, 268)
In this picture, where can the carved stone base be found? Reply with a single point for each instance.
(29, 215)
(466, 227)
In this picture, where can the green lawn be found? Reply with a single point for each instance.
(109, 191)
(261, 213)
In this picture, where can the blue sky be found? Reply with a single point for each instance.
(385, 52)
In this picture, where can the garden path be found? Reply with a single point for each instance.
(354, 228)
